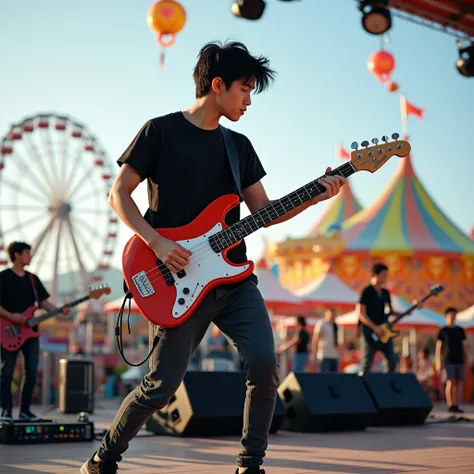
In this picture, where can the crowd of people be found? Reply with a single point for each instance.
(322, 352)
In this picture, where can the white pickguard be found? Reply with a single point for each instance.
(205, 266)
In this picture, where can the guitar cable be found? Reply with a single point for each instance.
(118, 332)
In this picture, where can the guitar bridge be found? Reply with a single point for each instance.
(143, 284)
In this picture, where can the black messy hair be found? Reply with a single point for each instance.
(230, 61)
(17, 247)
(378, 268)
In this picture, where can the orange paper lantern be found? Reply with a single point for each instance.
(381, 65)
(393, 87)
(167, 18)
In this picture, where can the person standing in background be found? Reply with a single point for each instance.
(324, 346)
(300, 342)
(452, 353)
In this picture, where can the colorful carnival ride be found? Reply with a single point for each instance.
(404, 228)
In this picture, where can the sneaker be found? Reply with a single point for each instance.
(6, 415)
(456, 409)
(252, 470)
(92, 467)
(27, 415)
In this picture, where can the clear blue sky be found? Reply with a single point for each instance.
(98, 62)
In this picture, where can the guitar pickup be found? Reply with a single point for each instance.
(165, 272)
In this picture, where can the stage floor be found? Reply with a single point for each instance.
(434, 448)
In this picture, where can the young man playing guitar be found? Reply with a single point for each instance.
(19, 290)
(183, 158)
(372, 311)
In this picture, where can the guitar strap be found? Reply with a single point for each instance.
(37, 301)
(233, 157)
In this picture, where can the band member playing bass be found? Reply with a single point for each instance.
(19, 290)
(374, 308)
(183, 157)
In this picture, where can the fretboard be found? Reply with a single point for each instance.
(38, 319)
(236, 232)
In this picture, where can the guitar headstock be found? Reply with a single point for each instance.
(372, 158)
(97, 291)
(436, 289)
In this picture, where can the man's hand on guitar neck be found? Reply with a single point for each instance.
(418, 304)
(50, 307)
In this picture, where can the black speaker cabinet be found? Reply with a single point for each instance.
(317, 402)
(399, 398)
(207, 404)
(76, 386)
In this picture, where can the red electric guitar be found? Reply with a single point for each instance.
(13, 336)
(168, 299)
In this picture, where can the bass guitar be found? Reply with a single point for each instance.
(387, 331)
(168, 299)
(13, 336)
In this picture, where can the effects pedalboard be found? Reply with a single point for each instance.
(45, 431)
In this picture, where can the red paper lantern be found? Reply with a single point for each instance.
(381, 64)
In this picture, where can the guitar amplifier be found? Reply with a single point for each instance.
(399, 398)
(325, 402)
(76, 386)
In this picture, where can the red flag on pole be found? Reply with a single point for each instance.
(411, 109)
(342, 153)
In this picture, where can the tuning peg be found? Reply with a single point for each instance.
(365, 143)
(385, 138)
(354, 145)
(395, 136)
(375, 141)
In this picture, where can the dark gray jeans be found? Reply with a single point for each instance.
(240, 314)
(367, 354)
(30, 351)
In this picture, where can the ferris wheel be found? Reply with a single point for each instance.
(54, 182)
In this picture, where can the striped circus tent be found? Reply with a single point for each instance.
(341, 208)
(405, 219)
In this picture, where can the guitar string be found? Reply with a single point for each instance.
(204, 248)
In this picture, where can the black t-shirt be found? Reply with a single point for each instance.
(16, 292)
(452, 348)
(376, 304)
(303, 340)
(187, 168)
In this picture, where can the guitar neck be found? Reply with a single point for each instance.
(39, 319)
(276, 209)
(409, 310)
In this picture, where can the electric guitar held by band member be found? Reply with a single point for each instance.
(168, 299)
(13, 336)
(387, 332)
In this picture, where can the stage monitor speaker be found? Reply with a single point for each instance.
(76, 386)
(207, 404)
(317, 402)
(399, 398)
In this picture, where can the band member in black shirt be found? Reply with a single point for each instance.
(452, 353)
(300, 342)
(374, 308)
(183, 158)
(19, 290)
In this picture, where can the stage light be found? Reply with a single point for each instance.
(465, 63)
(376, 17)
(248, 9)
